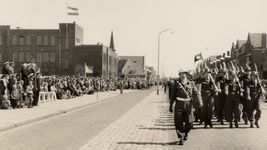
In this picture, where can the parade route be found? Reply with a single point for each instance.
(149, 126)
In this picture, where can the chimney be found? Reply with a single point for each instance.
(263, 42)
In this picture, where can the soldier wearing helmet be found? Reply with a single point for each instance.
(182, 94)
(245, 78)
(254, 91)
(232, 92)
(207, 89)
(220, 82)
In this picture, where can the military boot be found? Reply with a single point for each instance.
(257, 124)
(251, 124)
(231, 125)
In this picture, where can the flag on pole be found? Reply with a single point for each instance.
(73, 11)
(198, 57)
(88, 69)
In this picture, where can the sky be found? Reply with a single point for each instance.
(199, 26)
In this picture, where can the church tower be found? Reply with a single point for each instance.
(112, 42)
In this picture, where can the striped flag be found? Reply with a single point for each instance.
(73, 11)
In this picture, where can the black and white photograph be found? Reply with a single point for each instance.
(133, 74)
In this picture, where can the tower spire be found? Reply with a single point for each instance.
(112, 42)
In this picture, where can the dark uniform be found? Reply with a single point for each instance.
(254, 91)
(221, 96)
(244, 81)
(207, 92)
(232, 91)
(183, 115)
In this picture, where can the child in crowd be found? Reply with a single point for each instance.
(30, 93)
(21, 93)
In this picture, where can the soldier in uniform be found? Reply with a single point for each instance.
(232, 92)
(244, 81)
(254, 90)
(183, 91)
(207, 89)
(221, 95)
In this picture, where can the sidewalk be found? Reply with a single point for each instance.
(10, 119)
(150, 126)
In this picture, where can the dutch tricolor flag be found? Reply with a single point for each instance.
(73, 11)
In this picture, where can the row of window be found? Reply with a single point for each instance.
(27, 57)
(26, 40)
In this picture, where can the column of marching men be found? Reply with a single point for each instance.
(228, 95)
(22, 89)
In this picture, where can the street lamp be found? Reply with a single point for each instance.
(158, 57)
(163, 63)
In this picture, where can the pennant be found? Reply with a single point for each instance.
(198, 57)
(73, 11)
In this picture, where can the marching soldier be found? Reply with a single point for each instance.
(232, 92)
(207, 89)
(254, 90)
(244, 99)
(221, 95)
(182, 96)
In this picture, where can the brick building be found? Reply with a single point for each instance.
(56, 51)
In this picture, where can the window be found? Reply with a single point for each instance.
(52, 67)
(0, 40)
(21, 40)
(45, 40)
(28, 56)
(39, 40)
(39, 56)
(28, 40)
(66, 65)
(15, 40)
(67, 43)
(21, 57)
(52, 57)
(1, 57)
(45, 57)
(53, 40)
(15, 56)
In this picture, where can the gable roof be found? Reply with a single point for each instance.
(135, 70)
(121, 63)
(256, 39)
(139, 59)
(239, 43)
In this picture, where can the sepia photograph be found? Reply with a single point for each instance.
(133, 75)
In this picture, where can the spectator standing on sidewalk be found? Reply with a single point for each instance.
(182, 94)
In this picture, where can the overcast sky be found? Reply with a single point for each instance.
(136, 24)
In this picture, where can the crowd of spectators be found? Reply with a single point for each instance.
(23, 89)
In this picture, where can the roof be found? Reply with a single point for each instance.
(256, 39)
(239, 43)
(121, 63)
(139, 59)
(135, 70)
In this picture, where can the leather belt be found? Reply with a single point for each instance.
(233, 92)
(183, 99)
(207, 91)
(254, 92)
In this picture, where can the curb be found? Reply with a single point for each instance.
(16, 125)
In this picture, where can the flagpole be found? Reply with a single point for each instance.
(67, 19)
(85, 69)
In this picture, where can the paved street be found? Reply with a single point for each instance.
(135, 121)
(71, 130)
(149, 126)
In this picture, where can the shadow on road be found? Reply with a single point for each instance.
(149, 143)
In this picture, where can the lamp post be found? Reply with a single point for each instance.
(158, 57)
(162, 65)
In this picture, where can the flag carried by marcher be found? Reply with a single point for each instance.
(73, 11)
(198, 57)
